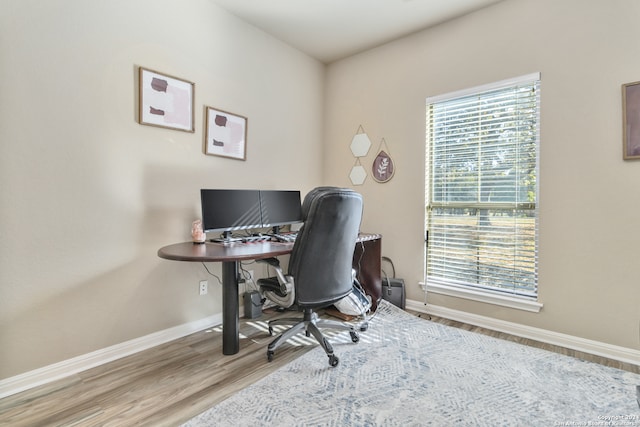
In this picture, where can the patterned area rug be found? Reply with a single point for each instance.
(407, 371)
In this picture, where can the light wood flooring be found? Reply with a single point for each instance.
(173, 382)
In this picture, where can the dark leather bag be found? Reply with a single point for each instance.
(392, 287)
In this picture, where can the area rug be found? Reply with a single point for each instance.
(408, 371)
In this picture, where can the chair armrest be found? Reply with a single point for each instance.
(275, 263)
(278, 289)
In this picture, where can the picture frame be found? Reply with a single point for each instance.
(631, 121)
(225, 134)
(165, 101)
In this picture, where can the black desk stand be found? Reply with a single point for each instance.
(229, 254)
(230, 316)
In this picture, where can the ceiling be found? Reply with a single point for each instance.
(329, 30)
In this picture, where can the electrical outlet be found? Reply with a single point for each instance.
(204, 285)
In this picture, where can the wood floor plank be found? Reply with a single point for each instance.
(164, 385)
(173, 382)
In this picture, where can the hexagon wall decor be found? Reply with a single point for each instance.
(358, 174)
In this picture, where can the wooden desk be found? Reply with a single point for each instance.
(229, 255)
(366, 261)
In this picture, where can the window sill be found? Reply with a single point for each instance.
(486, 297)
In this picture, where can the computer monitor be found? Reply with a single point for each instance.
(229, 210)
(280, 208)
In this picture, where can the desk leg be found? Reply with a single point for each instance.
(230, 310)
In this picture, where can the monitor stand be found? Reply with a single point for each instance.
(226, 238)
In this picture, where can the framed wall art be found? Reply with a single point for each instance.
(165, 101)
(631, 121)
(225, 134)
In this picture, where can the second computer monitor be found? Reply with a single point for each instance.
(280, 207)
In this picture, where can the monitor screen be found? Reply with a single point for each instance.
(228, 210)
(280, 207)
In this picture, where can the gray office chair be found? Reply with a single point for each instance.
(320, 268)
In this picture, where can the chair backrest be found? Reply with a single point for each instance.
(321, 259)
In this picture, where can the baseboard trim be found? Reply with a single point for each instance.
(47, 374)
(81, 363)
(621, 354)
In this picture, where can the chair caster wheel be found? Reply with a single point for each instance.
(364, 327)
(269, 356)
(333, 361)
(354, 336)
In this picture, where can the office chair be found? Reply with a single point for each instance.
(320, 270)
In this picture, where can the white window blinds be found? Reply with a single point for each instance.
(481, 183)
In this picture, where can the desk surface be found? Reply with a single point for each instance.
(218, 252)
(235, 251)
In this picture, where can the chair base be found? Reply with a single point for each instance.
(311, 324)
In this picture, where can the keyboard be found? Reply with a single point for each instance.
(285, 237)
(255, 238)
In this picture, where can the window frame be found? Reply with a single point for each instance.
(491, 295)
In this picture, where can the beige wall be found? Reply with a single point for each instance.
(88, 195)
(589, 202)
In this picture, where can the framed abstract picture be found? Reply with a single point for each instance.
(631, 121)
(225, 134)
(165, 101)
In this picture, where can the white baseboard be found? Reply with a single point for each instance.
(622, 354)
(81, 363)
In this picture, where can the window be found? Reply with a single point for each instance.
(481, 189)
